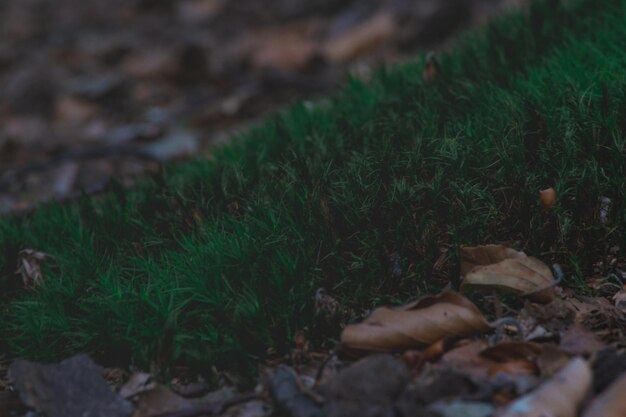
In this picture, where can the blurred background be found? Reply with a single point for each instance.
(92, 90)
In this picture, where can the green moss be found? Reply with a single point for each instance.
(215, 261)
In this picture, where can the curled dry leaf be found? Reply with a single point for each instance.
(29, 267)
(533, 358)
(611, 403)
(474, 256)
(419, 323)
(560, 396)
(496, 266)
(547, 197)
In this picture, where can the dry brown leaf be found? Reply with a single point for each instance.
(611, 403)
(529, 357)
(560, 396)
(361, 39)
(522, 275)
(512, 350)
(473, 256)
(423, 322)
(514, 367)
(547, 197)
(466, 357)
(580, 341)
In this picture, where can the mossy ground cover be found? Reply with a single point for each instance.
(367, 194)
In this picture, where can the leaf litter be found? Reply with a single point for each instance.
(438, 356)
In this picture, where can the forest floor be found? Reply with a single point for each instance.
(439, 237)
(91, 91)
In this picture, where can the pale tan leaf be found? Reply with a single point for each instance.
(420, 323)
(523, 276)
(560, 396)
(474, 256)
(611, 403)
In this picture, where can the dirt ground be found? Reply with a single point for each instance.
(91, 90)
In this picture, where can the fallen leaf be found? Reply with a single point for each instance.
(29, 267)
(596, 312)
(547, 197)
(423, 322)
(136, 384)
(522, 275)
(526, 357)
(361, 39)
(611, 403)
(580, 341)
(473, 256)
(560, 396)
(466, 357)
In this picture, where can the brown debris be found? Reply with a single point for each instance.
(361, 39)
(502, 268)
(419, 323)
(29, 267)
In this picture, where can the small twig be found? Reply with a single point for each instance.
(213, 409)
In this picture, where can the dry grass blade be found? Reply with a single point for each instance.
(420, 323)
